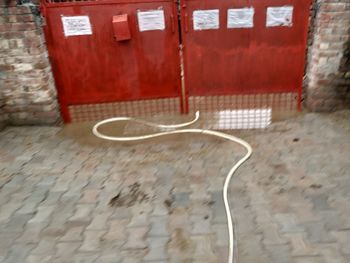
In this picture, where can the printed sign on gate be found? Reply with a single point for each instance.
(279, 16)
(76, 25)
(206, 19)
(151, 20)
(240, 18)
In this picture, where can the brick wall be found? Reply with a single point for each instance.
(328, 86)
(27, 87)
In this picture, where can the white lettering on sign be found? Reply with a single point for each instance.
(279, 16)
(76, 25)
(151, 20)
(240, 18)
(206, 19)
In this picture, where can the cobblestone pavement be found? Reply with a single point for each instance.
(66, 197)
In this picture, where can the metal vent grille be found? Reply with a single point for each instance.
(243, 111)
(140, 108)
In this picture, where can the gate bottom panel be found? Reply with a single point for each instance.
(253, 111)
(138, 108)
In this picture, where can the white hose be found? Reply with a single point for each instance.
(233, 248)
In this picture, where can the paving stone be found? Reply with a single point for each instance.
(333, 220)
(46, 247)
(330, 253)
(199, 192)
(201, 225)
(17, 223)
(82, 213)
(32, 202)
(7, 210)
(157, 249)
(304, 213)
(99, 222)
(116, 233)
(31, 234)
(52, 198)
(279, 253)
(316, 259)
(89, 196)
(18, 253)
(271, 235)
(317, 233)
(263, 214)
(288, 223)
(6, 242)
(181, 199)
(300, 246)
(109, 258)
(320, 202)
(43, 214)
(140, 215)
(65, 250)
(343, 238)
(61, 185)
(159, 227)
(38, 258)
(84, 257)
(92, 241)
(219, 215)
(136, 238)
(121, 213)
(221, 232)
(245, 222)
(179, 219)
(203, 249)
(160, 209)
(73, 234)
(180, 246)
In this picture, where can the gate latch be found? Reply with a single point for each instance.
(121, 27)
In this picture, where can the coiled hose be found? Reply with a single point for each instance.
(172, 129)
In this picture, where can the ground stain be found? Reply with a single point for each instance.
(134, 195)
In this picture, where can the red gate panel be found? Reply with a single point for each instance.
(114, 51)
(238, 49)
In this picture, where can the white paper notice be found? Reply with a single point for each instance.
(151, 20)
(76, 25)
(206, 19)
(240, 18)
(279, 16)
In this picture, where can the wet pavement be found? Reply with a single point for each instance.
(66, 196)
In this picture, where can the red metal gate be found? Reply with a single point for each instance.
(121, 57)
(114, 57)
(244, 54)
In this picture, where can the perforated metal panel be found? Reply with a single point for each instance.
(242, 111)
(141, 108)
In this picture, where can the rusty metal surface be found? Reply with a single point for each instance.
(230, 61)
(96, 68)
